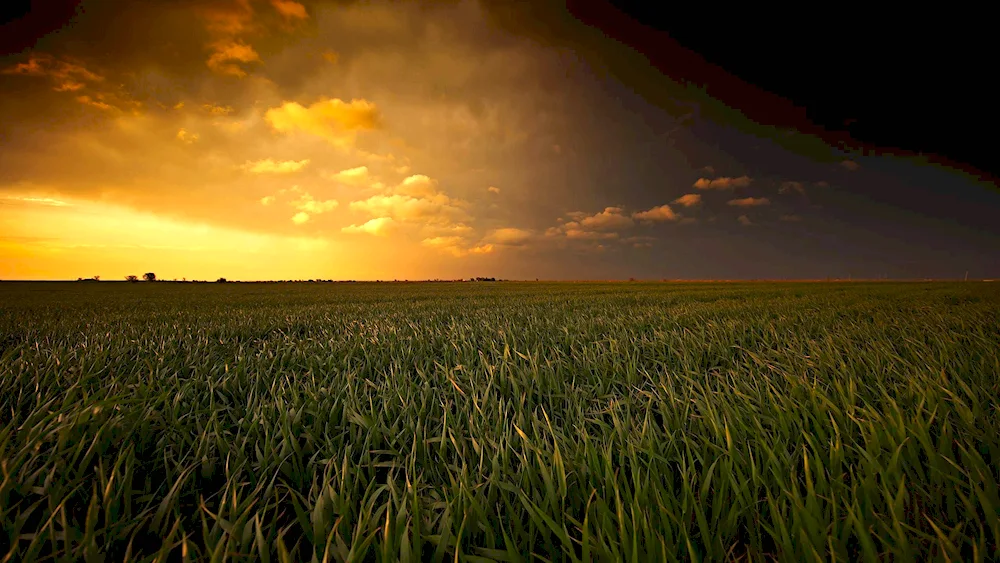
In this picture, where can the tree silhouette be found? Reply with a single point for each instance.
(149, 276)
(132, 279)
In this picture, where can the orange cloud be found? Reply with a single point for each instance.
(723, 183)
(217, 110)
(658, 213)
(438, 209)
(688, 200)
(267, 200)
(308, 204)
(379, 226)
(744, 220)
(290, 10)
(455, 246)
(610, 218)
(850, 165)
(792, 187)
(226, 56)
(749, 201)
(300, 218)
(332, 119)
(68, 75)
(352, 176)
(270, 166)
(185, 136)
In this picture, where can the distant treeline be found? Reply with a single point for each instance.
(224, 280)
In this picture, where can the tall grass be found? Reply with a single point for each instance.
(499, 422)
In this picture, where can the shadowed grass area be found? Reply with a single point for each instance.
(500, 421)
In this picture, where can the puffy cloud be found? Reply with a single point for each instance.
(658, 213)
(228, 54)
(185, 136)
(456, 247)
(290, 10)
(352, 176)
(723, 183)
(509, 236)
(309, 204)
(744, 220)
(415, 199)
(610, 218)
(493, 190)
(270, 166)
(405, 208)
(749, 201)
(418, 185)
(267, 200)
(300, 217)
(332, 119)
(688, 200)
(379, 226)
(787, 187)
(216, 110)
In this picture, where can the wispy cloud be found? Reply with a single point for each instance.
(688, 200)
(749, 201)
(723, 183)
(270, 166)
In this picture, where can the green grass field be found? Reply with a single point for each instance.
(500, 421)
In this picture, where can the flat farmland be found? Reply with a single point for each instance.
(500, 421)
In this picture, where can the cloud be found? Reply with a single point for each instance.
(749, 201)
(787, 187)
(66, 75)
(309, 204)
(455, 246)
(352, 176)
(578, 234)
(217, 110)
(186, 137)
(744, 220)
(331, 57)
(723, 183)
(850, 165)
(379, 226)
(688, 200)
(610, 218)
(708, 170)
(267, 200)
(658, 213)
(415, 199)
(270, 166)
(47, 201)
(493, 190)
(510, 236)
(823, 184)
(411, 209)
(300, 217)
(419, 186)
(227, 55)
(791, 218)
(332, 119)
(290, 10)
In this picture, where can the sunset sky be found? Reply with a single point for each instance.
(273, 139)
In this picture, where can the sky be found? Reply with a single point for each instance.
(275, 139)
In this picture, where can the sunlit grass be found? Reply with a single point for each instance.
(500, 422)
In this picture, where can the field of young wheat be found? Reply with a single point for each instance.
(499, 421)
